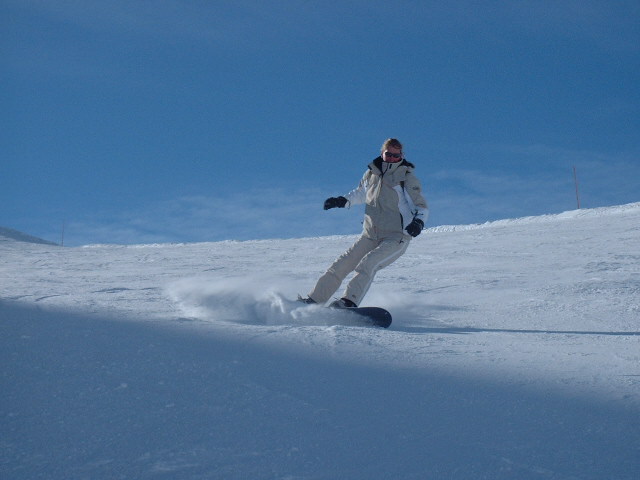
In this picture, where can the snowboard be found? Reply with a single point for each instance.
(369, 316)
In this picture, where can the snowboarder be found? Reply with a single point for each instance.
(395, 212)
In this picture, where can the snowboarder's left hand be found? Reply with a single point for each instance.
(335, 202)
(415, 227)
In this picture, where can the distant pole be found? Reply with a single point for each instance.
(575, 179)
(62, 235)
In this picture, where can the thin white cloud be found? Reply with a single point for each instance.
(537, 180)
(259, 214)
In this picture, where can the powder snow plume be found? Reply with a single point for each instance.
(248, 300)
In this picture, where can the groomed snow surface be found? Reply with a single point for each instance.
(514, 354)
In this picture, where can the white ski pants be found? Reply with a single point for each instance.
(366, 257)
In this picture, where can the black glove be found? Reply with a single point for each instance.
(334, 202)
(415, 227)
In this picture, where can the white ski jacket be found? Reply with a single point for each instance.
(393, 198)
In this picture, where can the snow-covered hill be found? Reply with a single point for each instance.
(514, 354)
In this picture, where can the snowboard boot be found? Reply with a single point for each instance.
(308, 300)
(343, 303)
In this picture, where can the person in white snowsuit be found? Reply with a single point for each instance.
(395, 211)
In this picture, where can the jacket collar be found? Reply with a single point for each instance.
(376, 166)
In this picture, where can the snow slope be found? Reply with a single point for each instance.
(514, 353)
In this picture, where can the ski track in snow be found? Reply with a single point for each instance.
(514, 353)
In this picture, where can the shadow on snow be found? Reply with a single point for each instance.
(87, 397)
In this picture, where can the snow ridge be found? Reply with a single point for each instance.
(630, 208)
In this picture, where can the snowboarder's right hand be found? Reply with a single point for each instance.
(333, 202)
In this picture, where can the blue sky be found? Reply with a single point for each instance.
(182, 121)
